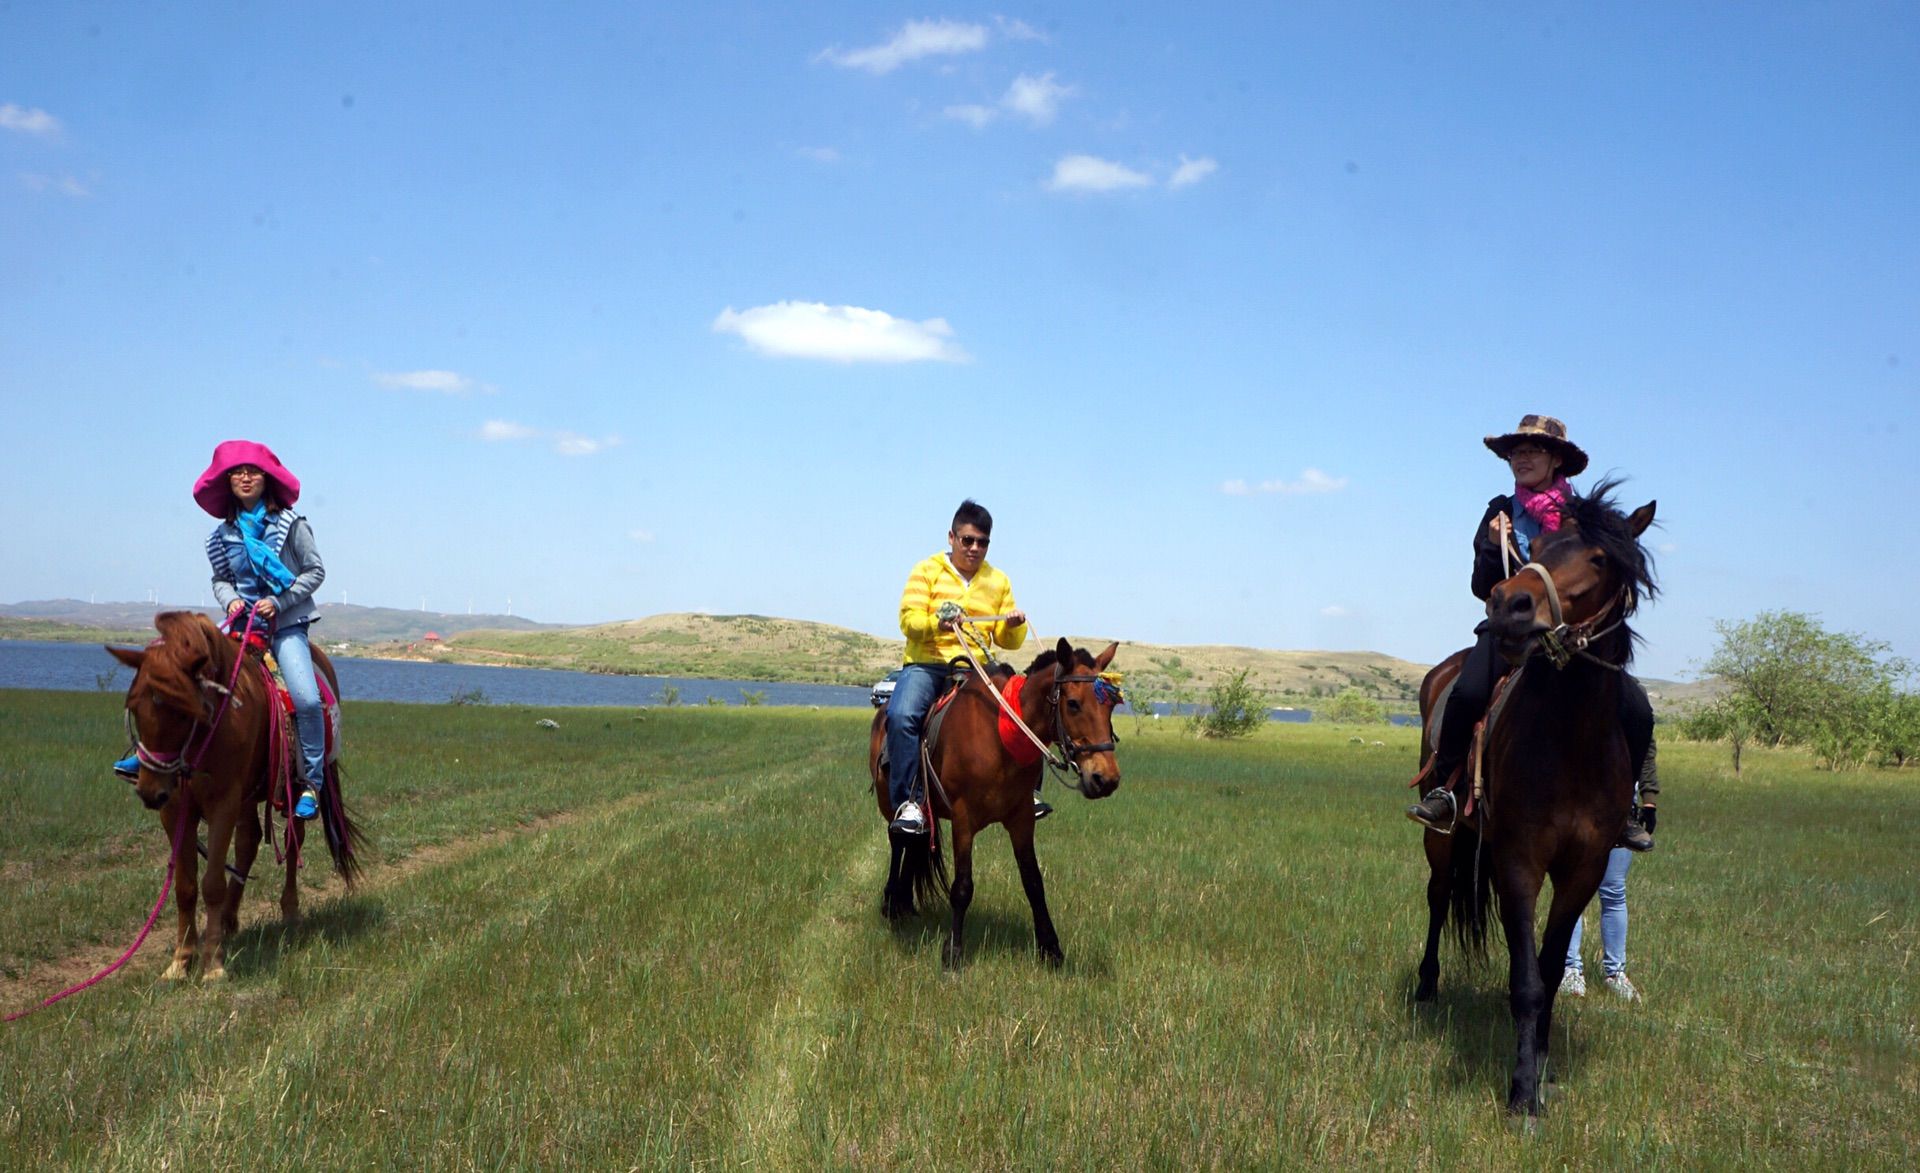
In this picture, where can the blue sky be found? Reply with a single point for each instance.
(619, 309)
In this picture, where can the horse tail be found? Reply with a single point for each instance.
(344, 836)
(925, 871)
(1470, 890)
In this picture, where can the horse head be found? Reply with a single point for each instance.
(171, 699)
(1585, 579)
(1083, 702)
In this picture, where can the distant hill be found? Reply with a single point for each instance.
(760, 647)
(342, 622)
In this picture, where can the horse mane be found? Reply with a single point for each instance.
(187, 641)
(1600, 521)
(1082, 658)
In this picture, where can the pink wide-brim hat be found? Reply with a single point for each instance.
(211, 491)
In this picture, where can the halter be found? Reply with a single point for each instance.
(1073, 749)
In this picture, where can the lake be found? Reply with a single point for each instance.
(66, 667)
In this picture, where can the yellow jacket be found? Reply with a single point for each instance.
(933, 582)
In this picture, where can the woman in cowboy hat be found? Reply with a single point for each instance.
(1541, 459)
(263, 559)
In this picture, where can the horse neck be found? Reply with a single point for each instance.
(1034, 705)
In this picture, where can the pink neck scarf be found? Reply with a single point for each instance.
(1544, 505)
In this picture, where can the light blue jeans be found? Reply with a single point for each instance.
(913, 694)
(295, 658)
(1613, 918)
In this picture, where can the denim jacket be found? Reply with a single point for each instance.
(291, 538)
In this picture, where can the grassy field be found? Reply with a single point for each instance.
(651, 939)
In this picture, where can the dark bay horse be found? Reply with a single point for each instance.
(207, 756)
(1557, 779)
(976, 782)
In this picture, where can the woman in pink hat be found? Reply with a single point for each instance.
(1541, 459)
(264, 560)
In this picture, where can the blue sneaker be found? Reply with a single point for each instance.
(128, 768)
(309, 805)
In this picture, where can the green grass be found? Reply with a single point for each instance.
(653, 941)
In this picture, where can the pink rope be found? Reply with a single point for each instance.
(179, 836)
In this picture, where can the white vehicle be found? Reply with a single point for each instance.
(883, 690)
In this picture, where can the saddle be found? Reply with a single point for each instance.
(281, 718)
(1009, 685)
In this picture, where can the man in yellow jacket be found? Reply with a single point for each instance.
(959, 578)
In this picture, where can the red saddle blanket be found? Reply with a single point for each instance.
(1018, 744)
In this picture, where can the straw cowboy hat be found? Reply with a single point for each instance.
(211, 491)
(1548, 433)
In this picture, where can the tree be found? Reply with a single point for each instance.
(1235, 708)
(1353, 707)
(1792, 681)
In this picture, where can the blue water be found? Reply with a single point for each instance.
(86, 668)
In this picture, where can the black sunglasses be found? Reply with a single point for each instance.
(970, 543)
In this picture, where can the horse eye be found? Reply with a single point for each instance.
(1599, 561)
(1073, 706)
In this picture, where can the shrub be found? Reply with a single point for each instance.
(1235, 709)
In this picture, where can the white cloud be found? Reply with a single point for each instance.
(1310, 481)
(1087, 173)
(819, 154)
(640, 535)
(1017, 30)
(28, 121)
(445, 382)
(563, 442)
(839, 333)
(1037, 99)
(1336, 611)
(977, 117)
(916, 39)
(494, 431)
(65, 185)
(1192, 171)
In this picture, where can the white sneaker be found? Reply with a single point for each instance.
(909, 819)
(1574, 982)
(1618, 983)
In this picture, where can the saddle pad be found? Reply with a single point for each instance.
(1439, 714)
(1018, 744)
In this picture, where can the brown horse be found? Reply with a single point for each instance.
(1557, 779)
(975, 781)
(205, 756)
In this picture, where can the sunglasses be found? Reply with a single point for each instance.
(972, 543)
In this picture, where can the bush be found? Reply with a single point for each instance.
(1353, 707)
(473, 696)
(1235, 709)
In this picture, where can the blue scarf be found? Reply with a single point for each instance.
(252, 524)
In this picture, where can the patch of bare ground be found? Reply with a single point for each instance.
(41, 981)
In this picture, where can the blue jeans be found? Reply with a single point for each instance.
(1613, 917)
(913, 694)
(295, 658)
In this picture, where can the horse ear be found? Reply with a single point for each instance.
(1641, 518)
(1101, 661)
(1064, 663)
(131, 657)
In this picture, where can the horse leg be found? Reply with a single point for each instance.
(1439, 889)
(246, 847)
(186, 885)
(1571, 894)
(1526, 994)
(1020, 831)
(290, 890)
(213, 945)
(960, 892)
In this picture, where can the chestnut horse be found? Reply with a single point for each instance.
(205, 756)
(975, 781)
(1557, 779)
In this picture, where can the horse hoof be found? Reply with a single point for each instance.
(217, 974)
(1426, 993)
(1053, 957)
(175, 972)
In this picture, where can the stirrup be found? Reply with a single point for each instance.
(1453, 807)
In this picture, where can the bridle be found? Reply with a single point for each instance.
(1562, 641)
(1069, 770)
(1071, 748)
(187, 758)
